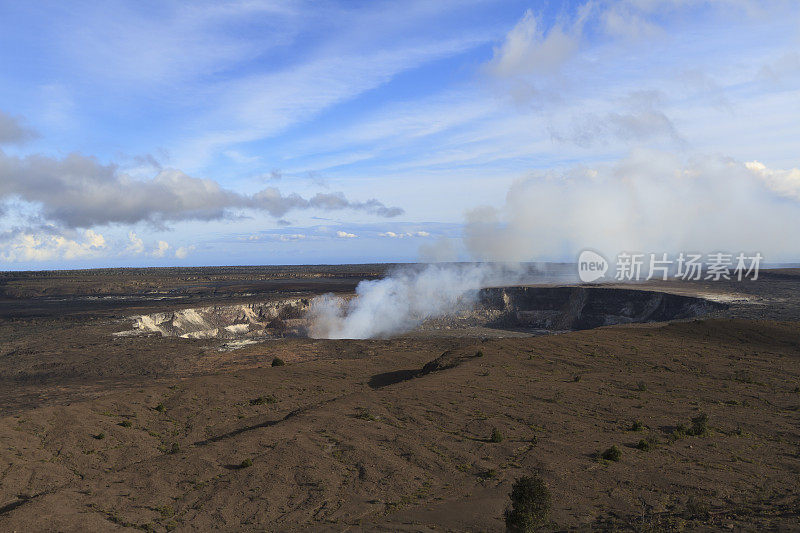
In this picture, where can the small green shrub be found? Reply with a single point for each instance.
(247, 463)
(479, 353)
(576, 379)
(641, 386)
(637, 426)
(161, 408)
(99, 436)
(699, 426)
(611, 454)
(263, 400)
(530, 505)
(364, 414)
(126, 423)
(175, 448)
(488, 474)
(644, 445)
(278, 362)
(496, 435)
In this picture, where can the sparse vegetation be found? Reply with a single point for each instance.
(263, 400)
(636, 426)
(161, 408)
(497, 436)
(699, 426)
(175, 448)
(277, 361)
(125, 423)
(488, 474)
(247, 463)
(644, 445)
(611, 454)
(530, 505)
(99, 436)
(364, 414)
(479, 353)
(576, 379)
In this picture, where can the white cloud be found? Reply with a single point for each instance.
(624, 20)
(784, 182)
(135, 245)
(289, 237)
(529, 49)
(160, 249)
(183, 251)
(650, 201)
(393, 235)
(637, 118)
(49, 244)
(344, 235)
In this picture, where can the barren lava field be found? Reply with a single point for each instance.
(145, 432)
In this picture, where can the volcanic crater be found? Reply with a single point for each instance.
(531, 309)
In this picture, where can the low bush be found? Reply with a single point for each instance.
(263, 400)
(699, 426)
(611, 454)
(496, 435)
(530, 505)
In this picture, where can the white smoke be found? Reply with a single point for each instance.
(407, 297)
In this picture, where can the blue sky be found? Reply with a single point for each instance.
(263, 132)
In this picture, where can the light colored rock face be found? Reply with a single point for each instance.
(256, 320)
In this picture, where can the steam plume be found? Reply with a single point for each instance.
(408, 296)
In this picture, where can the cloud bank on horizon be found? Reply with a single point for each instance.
(285, 132)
